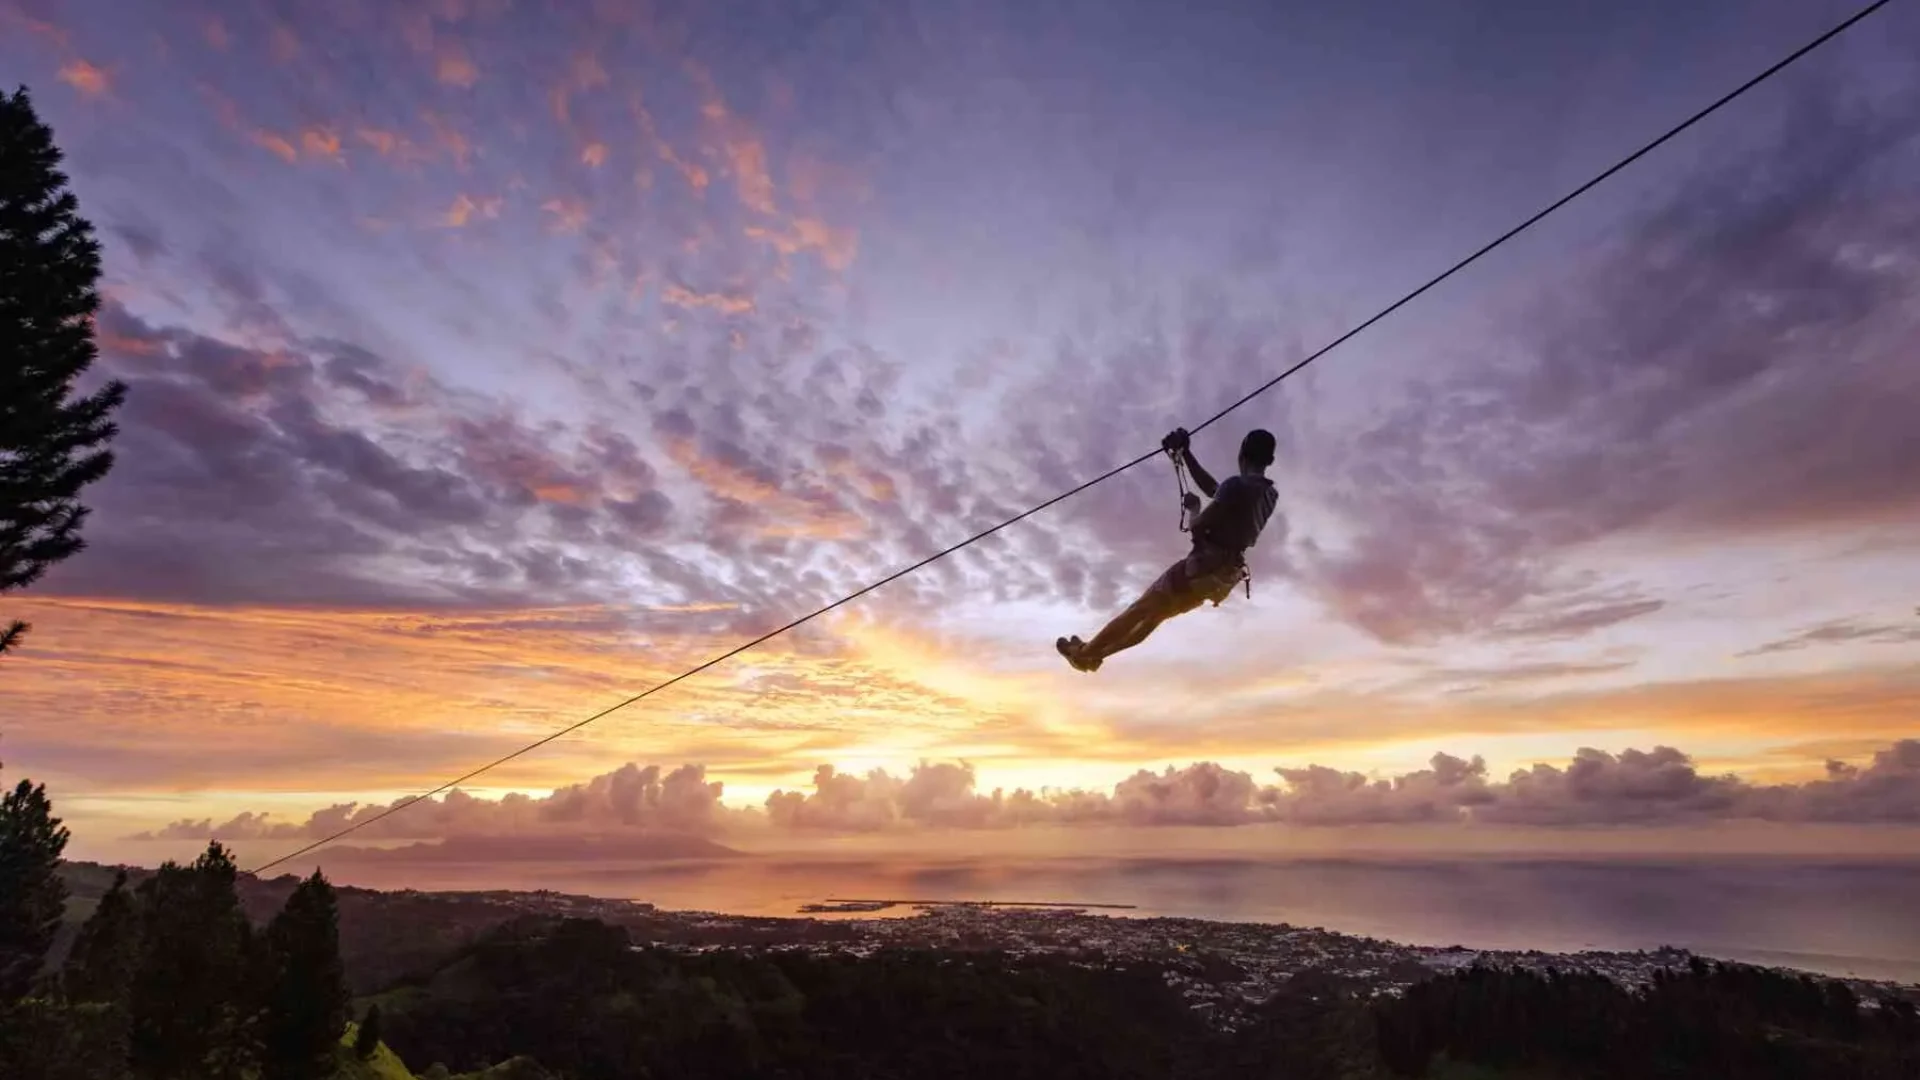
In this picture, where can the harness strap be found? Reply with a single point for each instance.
(1246, 579)
(1180, 477)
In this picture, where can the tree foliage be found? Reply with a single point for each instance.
(32, 896)
(44, 1038)
(52, 442)
(366, 1040)
(306, 1004)
(106, 954)
(1707, 1020)
(190, 992)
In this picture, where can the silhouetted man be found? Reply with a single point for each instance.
(1223, 532)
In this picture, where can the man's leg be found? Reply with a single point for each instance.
(1142, 630)
(1162, 600)
(1122, 626)
(1130, 627)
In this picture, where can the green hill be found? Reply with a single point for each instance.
(383, 1065)
(386, 1065)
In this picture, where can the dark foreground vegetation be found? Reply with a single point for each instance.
(577, 997)
(172, 978)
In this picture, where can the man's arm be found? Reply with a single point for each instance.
(1201, 477)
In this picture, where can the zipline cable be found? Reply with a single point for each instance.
(1702, 114)
(1562, 201)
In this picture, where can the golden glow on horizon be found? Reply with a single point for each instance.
(205, 712)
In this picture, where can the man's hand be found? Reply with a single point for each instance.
(1178, 444)
(1191, 502)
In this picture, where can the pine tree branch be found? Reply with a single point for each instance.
(53, 439)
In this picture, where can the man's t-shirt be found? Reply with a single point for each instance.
(1240, 508)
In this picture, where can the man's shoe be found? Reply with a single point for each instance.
(1072, 648)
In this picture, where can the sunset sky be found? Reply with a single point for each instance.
(491, 360)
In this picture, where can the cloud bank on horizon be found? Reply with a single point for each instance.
(534, 354)
(1658, 787)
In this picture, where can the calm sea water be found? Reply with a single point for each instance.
(1832, 916)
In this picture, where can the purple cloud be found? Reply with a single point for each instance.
(328, 475)
(1732, 364)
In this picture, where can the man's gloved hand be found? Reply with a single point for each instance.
(1191, 502)
(1175, 441)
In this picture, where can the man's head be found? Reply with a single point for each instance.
(1256, 450)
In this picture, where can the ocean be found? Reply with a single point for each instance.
(1835, 916)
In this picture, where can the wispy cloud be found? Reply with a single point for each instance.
(89, 80)
(1844, 631)
(724, 303)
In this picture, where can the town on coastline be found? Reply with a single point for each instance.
(1220, 967)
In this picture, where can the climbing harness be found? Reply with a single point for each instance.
(1246, 579)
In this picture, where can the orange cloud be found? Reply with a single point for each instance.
(321, 142)
(113, 344)
(35, 26)
(594, 155)
(391, 145)
(215, 32)
(725, 303)
(278, 144)
(233, 702)
(383, 143)
(720, 478)
(465, 207)
(570, 215)
(1338, 710)
(414, 696)
(749, 161)
(91, 81)
(741, 146)
(836, 247)
(695, 176)
(405, 683)
(563, 493)
(784, 513)
(456, 68)
(870, 482)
